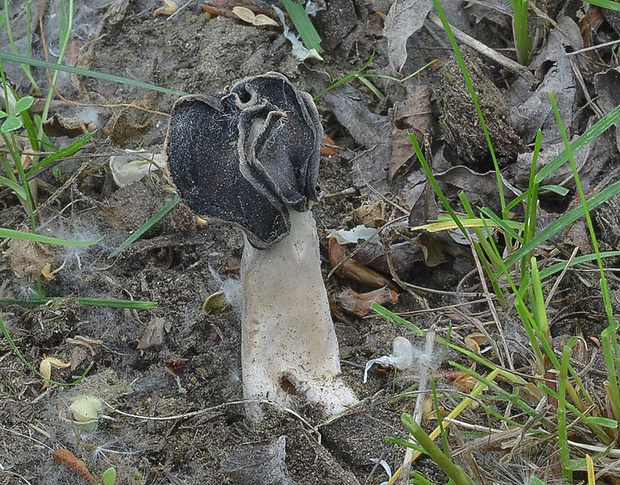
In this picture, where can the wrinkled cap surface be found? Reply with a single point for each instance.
(247, 157)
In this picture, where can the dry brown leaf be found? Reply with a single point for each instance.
(28, 258)
(46, 272)
(45, 368)
(153, 335)
(428, 410)
(250, 17)
(381, 15)
(353, 269)
(57, 362)
(169, 9)
(590, 24)
(465, 383)
(70, 461)
(329, 147)
(475, 340)
(372, 215)
(359, 303)
(414, 116)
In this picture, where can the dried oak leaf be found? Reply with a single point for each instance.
(413, 116)
(359, 303)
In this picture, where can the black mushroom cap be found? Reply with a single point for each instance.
(248, 156)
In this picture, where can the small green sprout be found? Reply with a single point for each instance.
(13, 120)
(108, 477)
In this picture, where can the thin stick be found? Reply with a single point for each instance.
(487, 51)
(493, 310)
(593, 48)
(200, 412)
(555, 286)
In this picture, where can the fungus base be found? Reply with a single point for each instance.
(289, 346)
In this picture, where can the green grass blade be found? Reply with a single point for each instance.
(347, 78)
(561, 223)
(358, 75)
(100, 302)
(586, 211)
(523, 41)
(433, 181)
(85, 72)
(453, 471)
(440, 422)
(29, 236)
(303, 24)
(605, 4)
(556, 189)
(147, 225)
(610, 354)
(590, 421)
(373, 89)
(63, 152)
(393, 317)
(7, 23)
(501, 223)
(556, 268)
(15, 187)
(30, 129)
(591, 134)
(516, 201)
(510, 397)
(418, 479)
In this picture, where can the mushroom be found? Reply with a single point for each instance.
(251, 157)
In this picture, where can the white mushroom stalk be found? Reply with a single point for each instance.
(251, 158)
(287, 334)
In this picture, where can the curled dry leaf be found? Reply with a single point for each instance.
(169, 9)
(225, 8)
(250, 17)
(475, 340)
(329, 147)
(134, 165)
(70, 461)
(359, 303)
(354, 235)
(45, 367)
(86, 408)
(354, 270)
(428, 409)
(46, 271)
(404, 19)
(216, 304)
(465, 383)
(401, 358)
